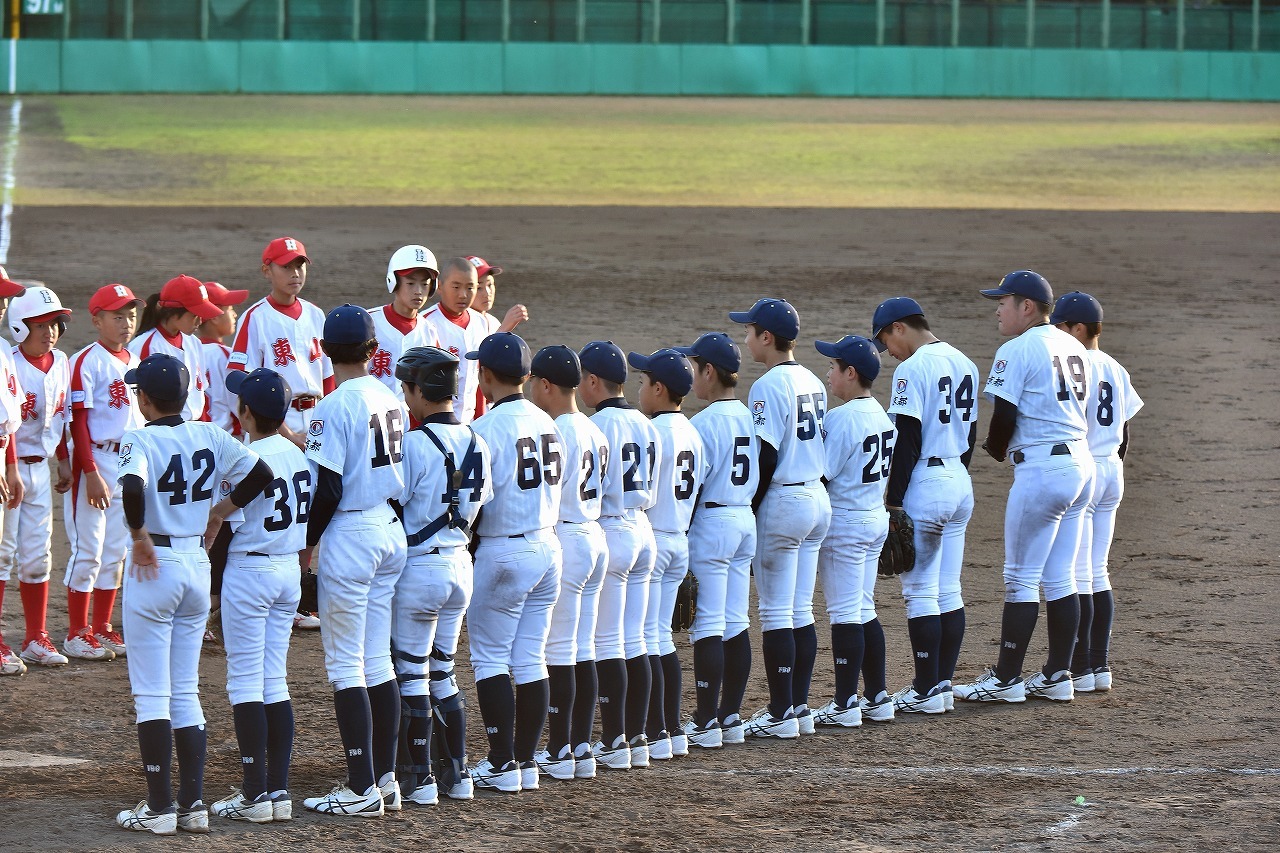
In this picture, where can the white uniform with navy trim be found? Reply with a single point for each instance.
(357, 432)
(188, 350)
(267, 336)
(435, 329)
(678, 481)
(182, 468)
(1045, 373)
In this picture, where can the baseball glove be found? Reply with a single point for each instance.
(899, 552)
(686, 603)
(310, 593)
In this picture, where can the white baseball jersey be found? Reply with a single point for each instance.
(679, 476)
(1112, 404)
(436, 329)
(182, 467)
(426, 498)
(275, 523)
(491, 323)
(859, 447)
(222, 404)
(285, 339)
(97, 384)
(1045, 373)
(358, 432)
(393, 332)
(729, 475)
(528, 463)
(11, 394)
(633, 458)
(787, 406)
(938, 386)
(188, 350)
(44, 404)
(586, 453)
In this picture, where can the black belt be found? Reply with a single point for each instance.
(712, 505)
(790, 484)
(256, 554)
(934, 462)
(1058, 450)
(162, 540)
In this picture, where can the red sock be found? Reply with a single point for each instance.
(104, 601)
(35, 606)
(2, 583)
(77, 612)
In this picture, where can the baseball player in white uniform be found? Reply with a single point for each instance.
(215, 354)
(36, 321)
(1039, 384)
(11, 490)
(628, 491)
(451, 325)
(571, 649)
(517, 567)
(103, 408)
(411, 281)
(934, 405)
(170, 473)
(448, 478)
(858, 443)
(666, 378)
(793, 511)
(282, 331)
(722, 543)
(169, 326)
(1111, 405)
(486, 290)
(260, 591)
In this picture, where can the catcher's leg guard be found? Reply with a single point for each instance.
(415, 720)
(448, 706)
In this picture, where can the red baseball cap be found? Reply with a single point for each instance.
(8, 288)
(219, 295)
(112, 297)
(483, 267)
(284, 250)
(187, 292)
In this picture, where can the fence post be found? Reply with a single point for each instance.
(1257, 22)
(880, 23)
(66, 20)
(1182, 23)
(1031, 23)
(355, 20)
(204, 20)
(955, 23)
(280, 20)
(128, 19)
(582, 21)
(506, 21)
(1106, 24)
(431, 20)
(657, 21)
(806, 19)
(731, 21)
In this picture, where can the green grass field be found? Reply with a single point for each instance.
(231, 150)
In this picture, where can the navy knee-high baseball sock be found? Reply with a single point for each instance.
(417, 741)
(532, 700)
(673, 684)
(654, 724)
(846, 651)
(279, 744)
(737, 672)
(1104, 605)
(251, 736)
(779, 650)
(1080, 654)
(384, 712)
(498, 711)
(639, 685)
(450, 737)
(155, 746)
(612, 675)
(560, 708)
(806, 639)
(1017, 624)
(952, 623)
(586, 694)
(873, 663)
(191, 744)
(708, 675)
(1063, 618)
(355, 728)
(926, 642)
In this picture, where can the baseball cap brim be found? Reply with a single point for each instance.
(474, 355)
(879, 344)
(118, 303)
(235, 378)
(286, 258)
(10, 289)
(996, 293)
(827, 348)
(227, 297)
(742, 317)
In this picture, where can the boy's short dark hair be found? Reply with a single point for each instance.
(505, 378)
(350, 353)
(843, 365)
(915, 321)
(261, 425)
(164, 408)
(726, 378)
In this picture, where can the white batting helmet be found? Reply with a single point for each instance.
(34, 302)
(412, 258)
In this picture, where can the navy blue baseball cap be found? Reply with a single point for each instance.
(348, 324)
(857, 352)
(668, 366)
(558, 365)
(161, 377)
(503, 352)
(716, 348)
(1076, 307)
(772, 315)
(604, 359)
(889, 312)
(1026, 283)
(264, 391)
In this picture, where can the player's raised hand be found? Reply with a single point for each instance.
(63, 483)
(515, 315)
(144, 566)
(96, 489)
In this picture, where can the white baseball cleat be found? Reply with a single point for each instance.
(616, 757)
(194, 818)
(679, 744)
(346, 802)
(908, 701)
(143, 819)
(505, 778)
(563, 767)
(111, 641)
(236, 807)
(85, 646)
(1101, 679)
(390, 790)
(831, 714)
(462, 789)
(584, 762)
(661, 748)
(733, 732)
(1056, 689)
(989, 688)
(281, 807)
(426, 794)
(639, 751)
(1084, 682)
(765, 725)
(42, 652)
(304, 620)
(528, 776)
(10, 663)
(878, 711)
(804, 719)
(710, 737)
(948, 694)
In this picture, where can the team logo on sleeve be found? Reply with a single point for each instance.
(316, 428)
(900, 387)
(224, 488)
(282, 353)
(126, 453)
(999, 366)
(757, 412)
(77, 397)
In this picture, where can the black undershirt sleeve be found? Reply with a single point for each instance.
(253, 484)
(133, 501)
(906, 453)
(1000, 430)
(967, 456)
(1124, 444)
(768, 462)
(323, 504)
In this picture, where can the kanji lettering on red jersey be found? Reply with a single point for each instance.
(380, 364)
(119, 394)
(282, 352)
(29, 408)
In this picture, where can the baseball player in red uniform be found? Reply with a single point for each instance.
(36, 321)
(103, 408)
(168, 326)
(453, 326)
(355, 446)
(411, 281)
(215, 354)
(11, 489)
(169, 473)
(485, 292)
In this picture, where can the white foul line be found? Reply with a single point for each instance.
(994, 770)
(10, 158)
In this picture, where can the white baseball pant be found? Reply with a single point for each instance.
(940, 502)
(722, 542)
(847, 563)
(623, 544)
(669, 569)
(431, 598)
(28, 530)
(98, 538)
(260, 596)
(573, 619)
(1042, 522)
(790, 526)
(517, 581)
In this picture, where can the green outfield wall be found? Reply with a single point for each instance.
(130, 66)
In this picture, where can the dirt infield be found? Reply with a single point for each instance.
(1181, 755)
